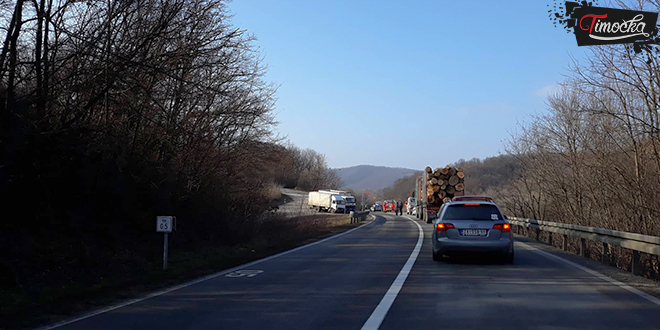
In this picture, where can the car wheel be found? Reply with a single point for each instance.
(437, 256)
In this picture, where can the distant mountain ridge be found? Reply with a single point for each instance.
(370, 177)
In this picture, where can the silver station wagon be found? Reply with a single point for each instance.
(472, 224)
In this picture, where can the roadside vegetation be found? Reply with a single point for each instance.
(115, 113)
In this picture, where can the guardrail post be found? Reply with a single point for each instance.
(550, 237)
(606, 254)
(635, 263)
(538, 234)
(564, 244)
(583, 247)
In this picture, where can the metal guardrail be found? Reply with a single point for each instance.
(357, 216)
(635, 242)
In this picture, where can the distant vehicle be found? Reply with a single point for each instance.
(472, 225)
(376, 208)
(472, 198)
(389, 206)
(410, 205)
(349, 199)
(434, 188)
(326, 201)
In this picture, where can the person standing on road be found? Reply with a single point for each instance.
(399, 208)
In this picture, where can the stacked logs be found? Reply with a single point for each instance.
(444, 184)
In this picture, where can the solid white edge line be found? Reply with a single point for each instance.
(378, 315)
(199, 280)
(593, 272)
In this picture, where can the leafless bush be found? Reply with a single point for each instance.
(594, 158)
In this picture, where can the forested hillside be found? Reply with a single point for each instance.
(488, 176)
(369, 177)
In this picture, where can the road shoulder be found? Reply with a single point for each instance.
(643, 284)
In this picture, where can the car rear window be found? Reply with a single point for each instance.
(472, 212)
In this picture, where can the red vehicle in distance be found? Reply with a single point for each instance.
(389, 206)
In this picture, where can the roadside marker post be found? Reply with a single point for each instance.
(165, 224)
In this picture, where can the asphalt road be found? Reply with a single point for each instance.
(299, 206)
(339, 283)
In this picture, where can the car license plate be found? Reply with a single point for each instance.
(474, 232)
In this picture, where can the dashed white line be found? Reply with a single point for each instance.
(378, 315)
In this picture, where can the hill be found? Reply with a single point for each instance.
(363, 177)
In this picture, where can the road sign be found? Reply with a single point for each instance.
(164, 224)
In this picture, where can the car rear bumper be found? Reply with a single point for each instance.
(444, 245)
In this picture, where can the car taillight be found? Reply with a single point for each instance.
(503, 227)
(441, 226)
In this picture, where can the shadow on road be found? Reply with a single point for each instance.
(473, 259)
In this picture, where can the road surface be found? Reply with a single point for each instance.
(298, 206)
(372, 277)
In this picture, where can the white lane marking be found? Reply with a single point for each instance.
(593, 272)
(378, 315)
(199, 280)
(245, 272)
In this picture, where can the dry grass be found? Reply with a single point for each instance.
(273, 191)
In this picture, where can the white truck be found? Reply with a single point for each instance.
(326, 201)
(351, 203)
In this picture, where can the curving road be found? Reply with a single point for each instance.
(350, 282)
(299, 206)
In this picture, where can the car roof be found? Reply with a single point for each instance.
(472, 202)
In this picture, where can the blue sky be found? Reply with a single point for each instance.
(406, 83)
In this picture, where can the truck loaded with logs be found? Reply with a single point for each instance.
(435, 187)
